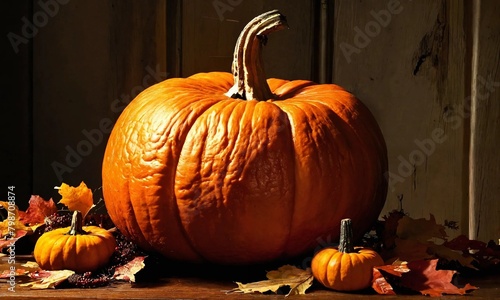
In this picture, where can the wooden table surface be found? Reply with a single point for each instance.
(206, 288)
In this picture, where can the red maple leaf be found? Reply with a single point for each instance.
(424, 278)
(38, 209)
(383, 274)
(419, 276)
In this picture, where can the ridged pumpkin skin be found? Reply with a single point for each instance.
(345, 271)
(199, 176)
(345, 268)
(58, 250)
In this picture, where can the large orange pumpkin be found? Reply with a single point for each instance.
(237, 169)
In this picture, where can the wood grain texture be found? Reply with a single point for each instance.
(485, 123)
(406, 61)
(409, 62)
(210, 30)
(90, 60)
(213, 288)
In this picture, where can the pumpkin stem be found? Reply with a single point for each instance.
(76, 224)
(345, 244)
(248, 71)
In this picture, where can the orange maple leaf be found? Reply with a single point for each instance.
(76, 198)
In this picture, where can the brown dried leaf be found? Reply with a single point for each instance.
(409, 250)
(421, 230)
(442, 251)
(390, 228)
(127, 272)
(424, 278)
(463, 243)
(486, 255)
(31, 265)
(298, 280)
(76, 198)
(48, 279)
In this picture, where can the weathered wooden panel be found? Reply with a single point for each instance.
(405, 60)
(15, 120)
(485, 122)
(210, 30)
(90, 59)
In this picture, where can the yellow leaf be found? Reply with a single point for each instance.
(30, 265)
(12, 224)
(298, 280)
(51, 281)
(76, 198)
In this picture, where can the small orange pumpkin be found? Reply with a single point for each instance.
(346, 268)
(77, 248)
(237, 169)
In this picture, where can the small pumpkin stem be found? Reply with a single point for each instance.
(76, 224)
(345, 244)
(250, 81)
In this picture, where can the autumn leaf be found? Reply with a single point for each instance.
(421, 230)
(397, 268)
(424, 278)
(484, 255)
(76, 198)
(31, 265)
(17, 267)
(415, 239)
(409, 250)
(17, 224)
(390, 227)
(380, 283)
(38, 210)
(6, 274)
(12, 239)
(464, 244)
(442, 251)
(12, 229)
(419, 276)
(298, 280)
(12, 221)
(48, 279)
(127, 272)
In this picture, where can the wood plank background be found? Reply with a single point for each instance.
(411, 76)
(422, 67)
(485, 122)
